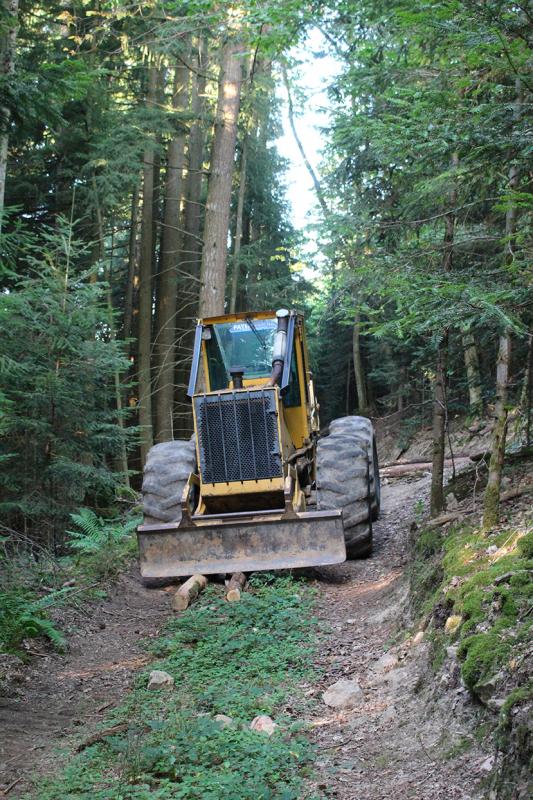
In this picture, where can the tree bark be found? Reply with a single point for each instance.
(165, 336)
(491, 502)
(217, 213)
(472, 373)
(145, 285)
(133, 265)
(191, 252)
(8, 42)
(238, 227)
(360, 379)
(188, 591)
(440, 410)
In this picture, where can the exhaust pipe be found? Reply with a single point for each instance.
(279, 351)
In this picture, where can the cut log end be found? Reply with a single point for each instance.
(188, 592)
(235, 587)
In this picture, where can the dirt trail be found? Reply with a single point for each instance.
(387, 747)
(59, 696)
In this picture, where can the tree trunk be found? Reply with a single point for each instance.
(145, 285)
(238, 227)
(472, 373)
(132, 264)
(440, 410)
(360, 378)
(164, 339)
(217, 213)
(439, 430)
(191, 252)
(491, 502)
(8, 43)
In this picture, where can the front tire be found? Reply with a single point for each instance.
(348, 478)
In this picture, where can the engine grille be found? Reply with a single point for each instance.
(238, 436)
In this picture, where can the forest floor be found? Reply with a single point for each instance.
(389, 745)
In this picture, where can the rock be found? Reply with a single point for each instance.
(343, 694)
(417, 638)
(263, 724)
(389, 715)
(486, 690)
(453, 623)
(159, 679)
(225, 721)
(451, 502)
(451, 652)
(487, 764)
(493, 548)
(387, 662)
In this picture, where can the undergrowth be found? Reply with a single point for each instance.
(34, 583)
(240, 659)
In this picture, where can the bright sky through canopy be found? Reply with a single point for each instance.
(313, 75)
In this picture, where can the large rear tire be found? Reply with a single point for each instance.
(348, 478)
(167, 469)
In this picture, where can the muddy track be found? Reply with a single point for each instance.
(391, 745)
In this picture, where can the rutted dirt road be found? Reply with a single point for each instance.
(398, 743)
(388, 746)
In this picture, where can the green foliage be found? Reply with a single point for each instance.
(240, 659)
(59, 433)
(23, 616)
(102, 545)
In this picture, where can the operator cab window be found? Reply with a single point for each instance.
(244, 343)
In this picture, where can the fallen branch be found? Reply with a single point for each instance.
(101, 735)
(416, 466)
(12, 785)
(444, 519)
(188, 592)
(235, 586)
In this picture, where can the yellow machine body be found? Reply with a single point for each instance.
(251, 502)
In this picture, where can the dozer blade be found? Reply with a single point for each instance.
(229, 543)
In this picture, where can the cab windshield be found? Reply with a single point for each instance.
(245, 343)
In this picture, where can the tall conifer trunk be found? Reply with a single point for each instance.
(145, 285)
(440, 410)
(238, 226)
(472, 373)
(491, 503)
(217, 212)
(360, 378)
(191, 251)
(8, 43)
(165, 345)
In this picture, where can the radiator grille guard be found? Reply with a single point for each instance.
(238, 436)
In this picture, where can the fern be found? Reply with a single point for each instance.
(102, 542)
(22, 617)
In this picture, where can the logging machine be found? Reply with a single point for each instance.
(256, 487)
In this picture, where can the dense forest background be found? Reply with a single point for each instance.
(140, 186)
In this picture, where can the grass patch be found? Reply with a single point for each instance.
(239, 659)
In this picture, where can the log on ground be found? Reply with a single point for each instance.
(235, 586)
(188, 591)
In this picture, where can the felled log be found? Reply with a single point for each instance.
(235, 586)
(399, 469)
(188, 591)
(444, 519)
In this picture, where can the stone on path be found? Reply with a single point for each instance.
(387, 662)
(343, 694)
(159, 679)
(263, 724)
(224, 720)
